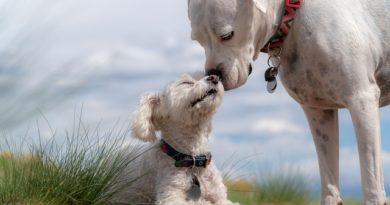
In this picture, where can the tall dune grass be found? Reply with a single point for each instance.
(83, 167)
(79, 171)
(284, 186)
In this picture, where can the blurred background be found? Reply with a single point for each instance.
(60, 57)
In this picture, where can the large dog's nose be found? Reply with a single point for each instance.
(215, 71)
(213, 78)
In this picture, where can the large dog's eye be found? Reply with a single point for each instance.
(227, 36)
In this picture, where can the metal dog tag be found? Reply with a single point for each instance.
(194, 192)
(271, 86)
(270, 76)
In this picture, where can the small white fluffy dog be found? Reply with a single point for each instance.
(182, 113)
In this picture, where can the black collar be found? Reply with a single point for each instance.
(185, 160)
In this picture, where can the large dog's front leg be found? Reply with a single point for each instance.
(365, 116)
(325, 132)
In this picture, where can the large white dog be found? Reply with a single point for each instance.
(336, 55)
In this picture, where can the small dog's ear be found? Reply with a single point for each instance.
(261, 5)
(143, 126)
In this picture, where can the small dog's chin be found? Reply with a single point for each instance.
(209, 103)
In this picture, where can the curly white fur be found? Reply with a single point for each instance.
(182, 113)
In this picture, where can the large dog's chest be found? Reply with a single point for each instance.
(307, 87)
(318, 84)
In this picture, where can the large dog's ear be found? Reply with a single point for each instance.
(194, 7)
(143, 124)
(188, 8)
(262, 5)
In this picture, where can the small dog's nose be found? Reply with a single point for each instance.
(214, 71)
(213, 78)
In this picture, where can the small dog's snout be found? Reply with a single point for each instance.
(213, 78)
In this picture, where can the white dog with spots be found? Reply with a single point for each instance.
(182, 113)
(336, 55)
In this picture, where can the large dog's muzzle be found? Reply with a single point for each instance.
(217, 71)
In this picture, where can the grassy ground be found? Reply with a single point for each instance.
(345, 201)
(81, 171)
(78, 172)
(84, 177)
(247, 193)
(280, 188)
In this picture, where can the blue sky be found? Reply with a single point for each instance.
(58, 56)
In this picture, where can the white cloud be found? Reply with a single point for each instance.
(274, 148)
(276, 126)
(127, 59)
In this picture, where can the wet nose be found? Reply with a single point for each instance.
(213, 78)
(214, 71)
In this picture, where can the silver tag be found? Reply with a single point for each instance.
(271, 86)
(194, 192)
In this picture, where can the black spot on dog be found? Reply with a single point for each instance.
(327, 116)
(323, 149)
(325, 137)
(304, 97)
(318, 132)
(294, 90)
(323, 69)
(292, 60)
(318, 99)
(310, 76)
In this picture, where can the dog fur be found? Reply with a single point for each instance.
(336, 55)
(184, 125)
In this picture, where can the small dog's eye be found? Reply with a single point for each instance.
(187, 83)
(227, 36)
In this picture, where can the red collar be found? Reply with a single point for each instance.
(277, 39)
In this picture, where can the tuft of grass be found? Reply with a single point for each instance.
(83, 170)
(272, 187)
(284, 186)
(345, 201)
